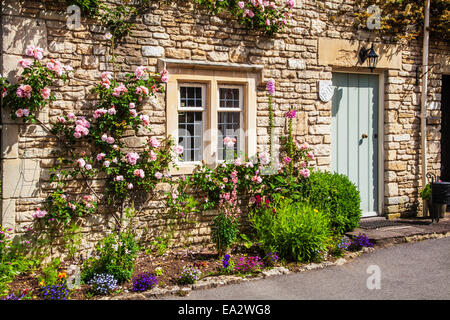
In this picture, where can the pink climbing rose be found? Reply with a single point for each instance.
(132, 158)
(36, 52)
(45, 93)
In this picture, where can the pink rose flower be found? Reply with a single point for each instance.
(164, 76)
(158, 175)
(106, 75)
(139, 173)
(132, 105)
(305, 172)
(39, 213)
(142, 90)
(88, 166)
(71, 116)
(25, 63)
(112, 111)
(178, 149)
(154, 142)
(99, 112)
(140, 71)
(19, 113)
(153, 156)
(118, 91)
(81, 162)
(229, 142)
(132, 158)
(36, 52)
(110, 140)
(290, 3)
(24, 91)
(106, 163)
(145, 119)
(264, 158)
(130, 186)
(56, 67)
(241, 4)
(45, 93)
(100, 156)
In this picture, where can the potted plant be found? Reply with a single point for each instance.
(425, 194)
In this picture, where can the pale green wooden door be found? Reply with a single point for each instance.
(355, 134)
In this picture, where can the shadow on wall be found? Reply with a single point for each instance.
(18, 34)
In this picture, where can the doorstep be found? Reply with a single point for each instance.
(384, 232)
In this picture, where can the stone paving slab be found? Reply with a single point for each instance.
(406, 228)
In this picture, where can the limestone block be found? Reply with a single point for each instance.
(218, 56)
(152, 51)
(10, 141)
(178, 53)
(392, 189)
(8, 218)
(296, 64)
(20, 178)
(19, 33)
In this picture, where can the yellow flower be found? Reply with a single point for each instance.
(42, 283)
(315, 210)
(62, 275)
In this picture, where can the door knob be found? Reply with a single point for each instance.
(364, 136)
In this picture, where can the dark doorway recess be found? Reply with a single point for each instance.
(445, 130)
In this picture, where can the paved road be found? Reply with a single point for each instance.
(419, 270)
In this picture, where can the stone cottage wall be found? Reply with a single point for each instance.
(295, 59)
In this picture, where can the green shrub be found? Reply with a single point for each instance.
(13, 259)
(425, 193)
(224, 232)
(116, 255)
(296, 231)
(335, 195)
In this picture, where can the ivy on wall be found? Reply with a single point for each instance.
(400, 19)
(259, 15)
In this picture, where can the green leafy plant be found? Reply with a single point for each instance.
(32, 91)
(50, 272)
(296, 231)
(13, 258)
(404, 19)
(335, 195)
(425, 193)
(116, 255)
(224, 232)
(246, 241)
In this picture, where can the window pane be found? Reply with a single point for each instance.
(229, 98)
(190, 128)
(229, 124)
(190, 96)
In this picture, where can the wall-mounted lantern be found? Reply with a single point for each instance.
(370, 56)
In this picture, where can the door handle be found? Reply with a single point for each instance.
(364, 136)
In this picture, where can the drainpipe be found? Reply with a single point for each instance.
(423, 113)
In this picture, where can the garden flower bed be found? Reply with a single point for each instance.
(243, 263)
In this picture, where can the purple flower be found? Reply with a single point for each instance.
(144, 281)
(291, 114)
(271, 86)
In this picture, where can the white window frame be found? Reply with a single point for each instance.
(218, 109)
(192, 109)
